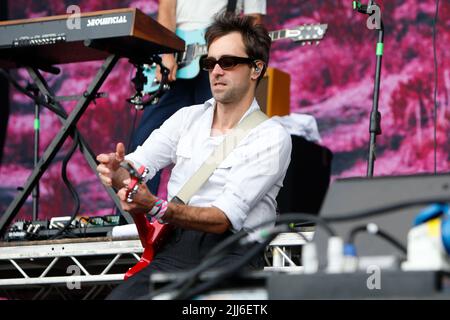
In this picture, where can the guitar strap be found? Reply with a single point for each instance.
(231, 6)
(228, 144)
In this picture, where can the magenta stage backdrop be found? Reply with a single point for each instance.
(332, 81)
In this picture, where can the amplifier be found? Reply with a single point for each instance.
(273, 93)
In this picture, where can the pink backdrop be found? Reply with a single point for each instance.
(332, 81)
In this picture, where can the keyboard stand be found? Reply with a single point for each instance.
(69, 125)
(84, 146)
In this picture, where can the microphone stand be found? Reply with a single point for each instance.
(35, 193)
(375, 116)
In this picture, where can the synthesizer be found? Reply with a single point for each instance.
(89, 36)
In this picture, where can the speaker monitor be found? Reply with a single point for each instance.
(273, 92)
(351, 196)
(307, 177)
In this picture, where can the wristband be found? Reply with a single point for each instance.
(158, 211)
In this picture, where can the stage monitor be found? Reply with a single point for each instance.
(351, 196)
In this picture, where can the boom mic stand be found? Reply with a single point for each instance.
(375, 116)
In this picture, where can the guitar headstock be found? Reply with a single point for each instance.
(307, 34)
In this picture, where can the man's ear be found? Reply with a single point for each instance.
(257, 69)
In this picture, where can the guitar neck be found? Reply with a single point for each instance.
(278, 35)
(304, 33)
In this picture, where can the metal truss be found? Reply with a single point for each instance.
(65, 268)
(281, 249)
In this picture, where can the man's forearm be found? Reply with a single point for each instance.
(167, 11)
(208, 219)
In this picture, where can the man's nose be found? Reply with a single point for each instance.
(217, 70)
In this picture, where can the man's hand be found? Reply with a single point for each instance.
(168, 60)
(110, 165)
(143, 200)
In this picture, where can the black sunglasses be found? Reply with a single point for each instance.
(226, 62)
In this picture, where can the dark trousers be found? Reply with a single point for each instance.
(183, 251)
(182, 93)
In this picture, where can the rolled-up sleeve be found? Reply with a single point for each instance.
(259, 165)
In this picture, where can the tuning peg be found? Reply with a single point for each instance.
(303, 43)
(309, 43)
(317, 43)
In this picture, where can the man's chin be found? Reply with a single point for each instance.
(221, 97)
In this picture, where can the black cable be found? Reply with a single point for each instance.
(226, 272)
(216, 253)
(290, 217)
(299, 232)
(76, 142)
(188, 284)
(284, 218)
(392, 240)
(385, 209)
(210, 259)
(354, 232)
(435, 84)
(378, 232)
(303, 224)
(69, 185)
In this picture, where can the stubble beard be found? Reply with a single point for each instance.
(230, 95)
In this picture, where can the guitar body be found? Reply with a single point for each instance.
(190, 68)
(188, 62)
(151, 85)
(152, 236)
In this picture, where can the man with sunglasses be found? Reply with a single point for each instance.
(189, 17)
(240, 194)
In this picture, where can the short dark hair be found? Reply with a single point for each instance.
(255, 36)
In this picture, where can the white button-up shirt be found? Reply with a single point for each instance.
(244, 186)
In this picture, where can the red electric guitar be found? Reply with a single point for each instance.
(151, 234)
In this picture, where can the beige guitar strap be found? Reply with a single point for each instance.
(218, 155)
